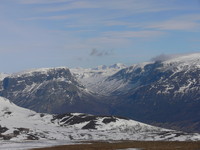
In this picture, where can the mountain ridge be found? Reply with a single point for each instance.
(165, 93)
(49, 90)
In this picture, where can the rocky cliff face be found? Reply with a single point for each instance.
(48, 90)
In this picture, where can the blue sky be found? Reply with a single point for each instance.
(87, 33)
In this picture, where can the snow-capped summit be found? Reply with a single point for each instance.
(2, 76)
(183, 62)
(38, 70)
(101, 67)
(186, 58)
(118, 66)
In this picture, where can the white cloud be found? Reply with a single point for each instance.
(127, 6)
(59, 17)
(48, 18)
(71, 6)
(106, 13)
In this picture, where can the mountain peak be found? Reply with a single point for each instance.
(114, 66)
(3, 75)
(101, 67)
(40, 70)
(117, 66)
(180, 58)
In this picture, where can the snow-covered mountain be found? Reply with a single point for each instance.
(165, 93)
(94, 78)
(118, 78)
(137, 75)
(19, 124)
(53, 90)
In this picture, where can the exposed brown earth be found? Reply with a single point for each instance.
(130, 144)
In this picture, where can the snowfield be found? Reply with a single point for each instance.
(25, 145)
(20, 127)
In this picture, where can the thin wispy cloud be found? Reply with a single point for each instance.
(131, 6)
(187, 22)
(71, 6)
(42, 1)
(70, 29)
(176, 25)
(48, 18)
(120, 9)
(133, 34)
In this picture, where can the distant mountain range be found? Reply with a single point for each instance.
(164, 93)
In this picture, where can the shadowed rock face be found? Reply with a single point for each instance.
(52, 91)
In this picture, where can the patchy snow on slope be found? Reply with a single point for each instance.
(94, 78)
(184, 76)
(117, 82)
(21, 126)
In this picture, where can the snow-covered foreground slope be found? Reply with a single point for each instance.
(19, 125)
